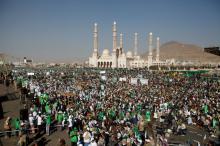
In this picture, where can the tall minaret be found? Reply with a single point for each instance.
(121, 40)
(114, 39)
(150, 57)
(135, 43)
(93, 61)
(95, 40)
(114, 35)
(158, 51)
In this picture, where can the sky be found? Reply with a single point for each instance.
(61, 30)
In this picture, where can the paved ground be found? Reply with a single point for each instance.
(6, 90)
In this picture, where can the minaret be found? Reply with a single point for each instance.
(150, 57)
(158, 51)
(95, 40)
(93, 60)
(135, 43)
(121, 40)
(114, 45)
(25, 60)
(114, 35)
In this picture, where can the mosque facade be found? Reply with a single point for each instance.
(118, 58)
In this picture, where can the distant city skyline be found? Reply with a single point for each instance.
(61, 31)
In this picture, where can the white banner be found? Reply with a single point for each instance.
(102, 72)
(144, 81)
(30, 73)
(134, 81)
(104, 78)
(122, 79)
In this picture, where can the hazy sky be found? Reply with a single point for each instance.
(62, 29)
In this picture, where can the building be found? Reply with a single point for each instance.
(118, 58)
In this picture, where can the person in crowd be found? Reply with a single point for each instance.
(87, 137)
(17, 126)
(22, 140)
(7, 127)
(31, 123)
(74, 136)
(48, 124)
(60, 120)
(39, 123)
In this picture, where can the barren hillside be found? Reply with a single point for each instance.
(181, 52)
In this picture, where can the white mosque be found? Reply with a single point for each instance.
(118, 58)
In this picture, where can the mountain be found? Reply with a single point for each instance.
(184, 52)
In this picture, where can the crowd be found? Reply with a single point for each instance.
(99, 111)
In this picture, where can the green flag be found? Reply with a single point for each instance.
(135, 130)
(74, 136)
(41, 100)
(122, 115)
(16, 123)
(139, 107)
(214, 123)
(48, 120)
(148, 116)
(112, 114)
(24, 83)
(100, 116)
(60, 117)
(205, 108)
(47, 109)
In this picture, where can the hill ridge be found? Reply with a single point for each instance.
(184, 52)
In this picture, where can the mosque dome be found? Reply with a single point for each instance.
(123, 55)
(138, 57)
(105, 53)
(129, 54)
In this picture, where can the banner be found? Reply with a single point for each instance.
(122, 79)
(144, 81)
(102, 72)
(134, 81)
(104, 78)
(30, 73)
